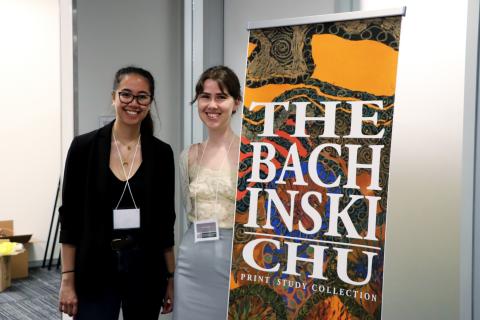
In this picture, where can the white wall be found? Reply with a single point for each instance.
(30, 128)
(239, 13)
(421, 279)
(113, 34)
(471, 177)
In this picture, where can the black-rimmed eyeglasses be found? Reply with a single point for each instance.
(142, 98)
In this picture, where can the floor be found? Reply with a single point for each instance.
(33, 298)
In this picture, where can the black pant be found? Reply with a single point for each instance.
(131, 289)
(107, 307)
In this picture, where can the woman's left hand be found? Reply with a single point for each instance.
(168, 299)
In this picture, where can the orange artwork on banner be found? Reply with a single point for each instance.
(311, 210)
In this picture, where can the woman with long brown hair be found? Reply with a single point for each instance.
(208, 179)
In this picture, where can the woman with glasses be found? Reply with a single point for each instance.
(117, 214)
(208, 179)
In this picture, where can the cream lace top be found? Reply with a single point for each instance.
(205, 187)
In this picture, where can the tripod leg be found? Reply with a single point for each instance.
(53, 245)
(51, 225)
(59, 261)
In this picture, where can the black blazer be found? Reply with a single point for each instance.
(86, 213)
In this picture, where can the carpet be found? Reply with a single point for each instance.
(32, 298)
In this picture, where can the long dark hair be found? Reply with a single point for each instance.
(225, 77)
(146, 127)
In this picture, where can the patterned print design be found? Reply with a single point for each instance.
(340, 61)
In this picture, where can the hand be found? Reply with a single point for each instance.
(168, 300)
(68, 297)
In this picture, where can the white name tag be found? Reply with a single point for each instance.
(126, 219)
(206, 230)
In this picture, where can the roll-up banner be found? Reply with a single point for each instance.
(311, 211)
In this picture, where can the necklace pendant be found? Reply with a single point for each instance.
(129, 148)
(125, 163)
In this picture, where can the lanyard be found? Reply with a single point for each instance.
(198, 170)
(127, 184)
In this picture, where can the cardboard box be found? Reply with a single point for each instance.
(5, 272)
(19, 262)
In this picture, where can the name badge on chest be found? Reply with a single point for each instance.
(126, 219)
(206, 230)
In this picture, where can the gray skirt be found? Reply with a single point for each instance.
(202, 278)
